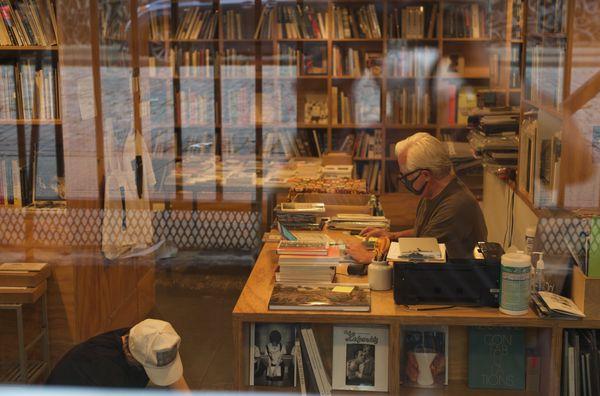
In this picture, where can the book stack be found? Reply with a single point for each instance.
(306, 262)
(195, 24)
(337, 171)
(300, 216)
(581, 363)
(300, 22)
(357, 222)
(27, 23)
(411, 61)
(413, 22)
(326, 185)
(465, 21)
(354, 23)
(409, 105)
(160, 26)
(369, 145)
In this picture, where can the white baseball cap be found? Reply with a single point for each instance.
(155, 344)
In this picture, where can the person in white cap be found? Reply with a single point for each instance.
(125, 358)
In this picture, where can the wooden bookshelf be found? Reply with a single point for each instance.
(561, 158)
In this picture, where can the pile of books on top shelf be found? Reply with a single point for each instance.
(357, 222)
(353, 23)
(414, 22)
(197, 24)
(465, 21)
(300, 215)
(493, 136)
(291, 22)
(325, 185)
(306, 262)
(27, 23)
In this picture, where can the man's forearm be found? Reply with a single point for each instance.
(402, 234)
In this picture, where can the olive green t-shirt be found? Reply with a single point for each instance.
(454, 218)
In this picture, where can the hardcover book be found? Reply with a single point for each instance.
(424, 361)
(326, 297)
(360, 358)
(497, 358)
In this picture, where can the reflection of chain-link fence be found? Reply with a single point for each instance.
(83, 228)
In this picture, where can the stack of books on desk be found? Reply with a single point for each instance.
(306, 262)
(357, 222)
(300, 215)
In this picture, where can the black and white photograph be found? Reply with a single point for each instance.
(360, 364)
(272, 354)
(360, 358)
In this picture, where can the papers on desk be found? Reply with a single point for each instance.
(550, 305)
(417, 249)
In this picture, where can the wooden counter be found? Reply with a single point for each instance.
(252, 306)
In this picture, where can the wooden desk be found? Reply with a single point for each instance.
(252, 306)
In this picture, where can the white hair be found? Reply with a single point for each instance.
(426, 152)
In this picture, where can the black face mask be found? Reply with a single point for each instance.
(409, 184)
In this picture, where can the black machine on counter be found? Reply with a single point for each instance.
(472, 282)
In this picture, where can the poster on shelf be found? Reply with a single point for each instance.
(360, 358)
(272, 354)
(424, 361)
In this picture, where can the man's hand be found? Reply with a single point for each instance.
(375, 232)
(359, 253)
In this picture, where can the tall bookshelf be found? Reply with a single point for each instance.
(558, 107)
(32, 161)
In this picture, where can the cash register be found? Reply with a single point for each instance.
(466, 282)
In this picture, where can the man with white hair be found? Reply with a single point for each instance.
(447, 210)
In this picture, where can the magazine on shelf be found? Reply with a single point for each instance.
(360, 358)
(272, 354)
(424, 361)
(320, 297)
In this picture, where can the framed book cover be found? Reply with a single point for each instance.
(424, 361)
(360, 358)
(497, 358)
(272, 354)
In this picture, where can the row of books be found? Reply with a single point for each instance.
(291, 22)
(197, 106)
(279, 104)
(411, 61)
(551, 17)
(28, 23)
(196, 23)
(465, 21)
(413, 22)
(371, 173)
(369, 145)
(28, 92)
(459, 101)
(183, 63)
(356, 62)
(361, 22)
(363, 108)
(233, 28)
(410, 105)
(306, 61)
(546, 74)
(10, 182)
(238, 105)
(293, 143)
(236, 64)
(581, 363)
(160, 25)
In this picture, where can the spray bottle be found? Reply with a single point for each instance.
(539, 280)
